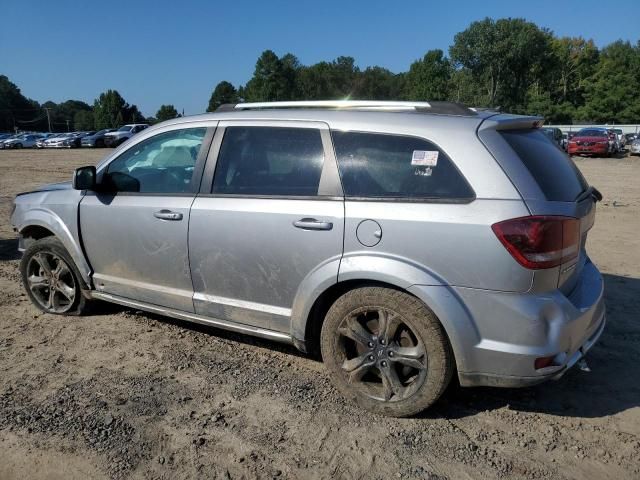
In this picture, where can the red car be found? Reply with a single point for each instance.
(590, 141)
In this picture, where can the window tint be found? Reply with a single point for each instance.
(553, 170)
(592, 133)
(161, 164)
(379, 165)
(269, 161)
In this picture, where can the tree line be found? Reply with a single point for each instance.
(510, 64)
(109, 110)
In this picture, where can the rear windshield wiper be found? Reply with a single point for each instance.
(592, 192)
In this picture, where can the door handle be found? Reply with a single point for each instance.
(167, 215)
(312, 224)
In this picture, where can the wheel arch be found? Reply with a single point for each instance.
(41, 223)
(457, 323)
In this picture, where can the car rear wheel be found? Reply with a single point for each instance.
(386, 351)
(18, 145)
(51, 279)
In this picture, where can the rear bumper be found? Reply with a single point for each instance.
(516, 329)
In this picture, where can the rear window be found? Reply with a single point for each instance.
(393, 166)
(553, 170)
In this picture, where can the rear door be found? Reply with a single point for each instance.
(271, 217)
(553, 186)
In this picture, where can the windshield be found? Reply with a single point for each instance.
(591, 132)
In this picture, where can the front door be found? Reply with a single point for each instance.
(135, 230)
(272, 216)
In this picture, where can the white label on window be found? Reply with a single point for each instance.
(424, 158)
(423, 172)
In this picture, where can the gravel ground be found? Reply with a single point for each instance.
(125, 394)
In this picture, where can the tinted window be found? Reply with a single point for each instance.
(378, 165)
(553, 170)
(592, 133)
(269, 161)
(160, 164)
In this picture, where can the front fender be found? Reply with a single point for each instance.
(50, 220)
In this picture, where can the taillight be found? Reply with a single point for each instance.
(539, 241)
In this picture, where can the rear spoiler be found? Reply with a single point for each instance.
(502, 121)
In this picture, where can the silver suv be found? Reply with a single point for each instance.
(406, 242)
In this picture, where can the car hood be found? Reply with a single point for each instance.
(115, 134)
(50, 187)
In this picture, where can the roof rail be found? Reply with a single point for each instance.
(447, 108)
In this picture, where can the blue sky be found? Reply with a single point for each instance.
(156, 52)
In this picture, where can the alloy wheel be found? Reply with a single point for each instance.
(51, 282)
(381, 355)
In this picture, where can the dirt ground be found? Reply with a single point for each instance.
(125, 394)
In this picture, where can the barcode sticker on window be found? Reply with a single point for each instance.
(424, 158)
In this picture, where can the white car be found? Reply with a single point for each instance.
(58, 141)
(622, 140)
(23, 141)
(124, 133)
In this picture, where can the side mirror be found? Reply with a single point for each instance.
(84, 178)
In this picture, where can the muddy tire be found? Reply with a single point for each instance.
(386, 351)
(51, 279)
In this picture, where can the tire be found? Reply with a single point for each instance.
(46, 261)
(18, 145)
(397, 374)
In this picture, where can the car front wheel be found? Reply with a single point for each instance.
(51, 279)
(386, 351)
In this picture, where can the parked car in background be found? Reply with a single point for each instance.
(554, 134)
(23, 141)
(124, 133)
(591, 141)
(76, 139)
(47, 136)
(57, 141)
(6, 139)
(5, 136)
(630, 137)
(635, 147)
(613, 141)
(96, 139)
(622, 140)
(410, 242)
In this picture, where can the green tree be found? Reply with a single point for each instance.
(329, 80)
(611, 93)
(16, 110)
(503, 56)
(377, 83)
(224, 92)
(576, 61)
(83, 120)
(271, 80)
(109, 110)
(166, 112)
(429, 78)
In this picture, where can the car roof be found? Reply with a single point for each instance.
(353, 118)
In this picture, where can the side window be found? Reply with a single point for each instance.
(161, 164)
(392, 166)
(269, 161)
